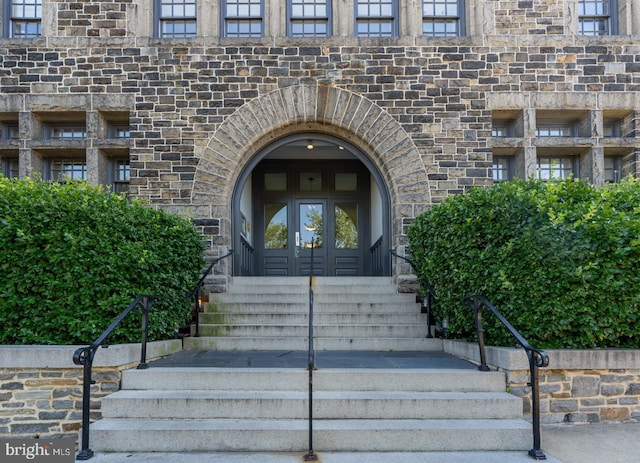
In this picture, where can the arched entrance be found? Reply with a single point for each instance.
(311, 190)
(369, 133)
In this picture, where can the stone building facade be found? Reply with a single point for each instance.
(269, 123)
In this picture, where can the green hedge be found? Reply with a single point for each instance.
(561, 260)
(73, 256)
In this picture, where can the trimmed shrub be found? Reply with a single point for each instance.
(561, 261)
(73, 256)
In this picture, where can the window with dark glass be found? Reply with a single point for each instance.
(309, 18)
(442, 18)
(243, 18)
(9, 167)
(177, 18)
(9, 131)
(597, 17)
(612, 169)
(24, 18)
(120, 174)
(612, 128)
(376, 18)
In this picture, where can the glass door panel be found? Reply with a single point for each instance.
(311, 252)
(276, 231)
(311, 225)
(346, 225)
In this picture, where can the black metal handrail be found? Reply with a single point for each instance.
(84, 356)
(428, 293)
(196, 293)
(310, 455)
(537, 359)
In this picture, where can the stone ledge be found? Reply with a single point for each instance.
(62, 356)
(559, 359)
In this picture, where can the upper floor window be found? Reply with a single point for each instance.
(503, 128)
(64, 170)
(442, 18)
(9, 167)
(597, 17)
(557, 167)
(120, 173)
(177, 18)
(612, 128)
(243, 18)
(119, 131)
(24, 18)
(309, 18)
(9, 131)
(612, 169)
(502, 168)
(67, 132)
(376, 18)
(555, 129)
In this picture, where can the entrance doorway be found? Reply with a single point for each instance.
(311, 209)
(321, 214)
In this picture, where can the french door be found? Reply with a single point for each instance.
(311, 217)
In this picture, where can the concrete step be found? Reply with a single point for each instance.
(325, 379)
(320, 330)
(239, 343)
(321, 318)
(360, 299)
(319, 284)
(187, 404)
(409, 435)
(280, 304)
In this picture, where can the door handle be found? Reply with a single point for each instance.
(297, 239)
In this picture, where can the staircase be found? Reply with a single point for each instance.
(265, 410)
(350, 313)
(422, 414)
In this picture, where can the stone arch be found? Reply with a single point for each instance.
(307, 108)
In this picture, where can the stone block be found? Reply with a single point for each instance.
(564, 406)
(633, 389)
(585, 386)
(615, 414)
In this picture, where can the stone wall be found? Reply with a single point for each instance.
(41, 388)
(578, 386)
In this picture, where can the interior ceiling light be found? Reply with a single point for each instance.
(309, 145)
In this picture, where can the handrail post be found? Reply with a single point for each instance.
(196, 297)
(310, 455)
(85, 357)
(477, 310)
(426, 309)
(536, 451)
(146, 308)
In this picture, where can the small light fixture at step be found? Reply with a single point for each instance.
(310, 145)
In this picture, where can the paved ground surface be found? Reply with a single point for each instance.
(591, 443)
(299, 359)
